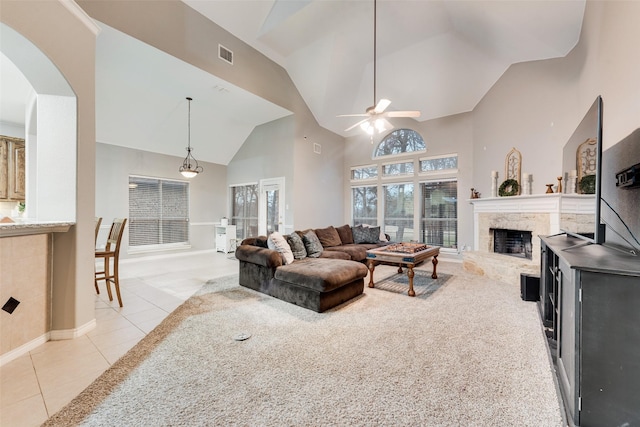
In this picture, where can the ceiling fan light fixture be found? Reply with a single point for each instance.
(190, 167)
(367, 127)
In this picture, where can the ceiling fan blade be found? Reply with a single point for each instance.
(381, 106)
(353, 115)
(356, 125)
(402, 114)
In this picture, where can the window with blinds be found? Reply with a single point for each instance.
(398, 212)
(365, 205)
(158, 213)
(244, 210)
(439, 222)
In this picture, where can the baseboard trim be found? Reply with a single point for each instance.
(69, 334)
(23, 349)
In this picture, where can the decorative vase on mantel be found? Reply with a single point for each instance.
(549, 188)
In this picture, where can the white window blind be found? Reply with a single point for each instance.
(158, 212)
(398, 212)
(244, 210)
(440, 213)
(365, 205)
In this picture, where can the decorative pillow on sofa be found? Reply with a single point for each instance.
(383, 237)
(328, 237)
(366, 234)
(297, 246)
(277, 242)
(346, 236)
(312, 244)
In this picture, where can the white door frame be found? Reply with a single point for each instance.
(271, 184)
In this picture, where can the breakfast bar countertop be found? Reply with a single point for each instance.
(24, 227)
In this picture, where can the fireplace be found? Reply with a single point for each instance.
(515, 243)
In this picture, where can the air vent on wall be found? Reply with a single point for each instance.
(225, 54)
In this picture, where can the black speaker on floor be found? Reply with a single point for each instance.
(529, 287)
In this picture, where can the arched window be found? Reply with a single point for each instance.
(400, 141)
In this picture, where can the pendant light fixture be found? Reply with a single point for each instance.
(190, 167)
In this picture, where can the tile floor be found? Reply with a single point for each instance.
(38, 384)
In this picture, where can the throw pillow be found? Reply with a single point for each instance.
(328, 237)
(383, 237)
(297, 246)
(366, 234)
(312, 244)
(346, 236)
(277, 242)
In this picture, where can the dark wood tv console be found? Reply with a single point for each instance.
(590, 306)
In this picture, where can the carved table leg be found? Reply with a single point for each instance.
(435, 263)
(372, 266)
(410, 273)
(399, 268)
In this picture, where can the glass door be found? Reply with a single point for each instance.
(271, 206)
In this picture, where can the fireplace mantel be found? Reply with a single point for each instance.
(545, 203)
(553, 204)
(541, 214)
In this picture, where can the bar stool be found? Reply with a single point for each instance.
(111, 252)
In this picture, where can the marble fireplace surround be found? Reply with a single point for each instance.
(542, 214)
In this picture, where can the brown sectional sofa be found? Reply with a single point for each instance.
(334, 275)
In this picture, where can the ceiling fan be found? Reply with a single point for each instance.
(375, 116)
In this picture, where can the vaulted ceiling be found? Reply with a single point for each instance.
(437, 56)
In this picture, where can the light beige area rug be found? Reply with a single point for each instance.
(470, 353)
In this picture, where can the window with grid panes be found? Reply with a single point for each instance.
(398, 212)
(244, 210)
(439, 217)
(365, 205)
(158, 212)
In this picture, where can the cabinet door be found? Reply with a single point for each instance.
(4, 168)
(610, 351)
(16, 170)
(568, 338)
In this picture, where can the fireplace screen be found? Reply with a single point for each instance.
(512, 242)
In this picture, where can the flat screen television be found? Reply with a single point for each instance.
(582, 157)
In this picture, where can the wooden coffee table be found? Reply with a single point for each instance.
(407, 254)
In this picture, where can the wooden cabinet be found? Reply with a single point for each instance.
(595, 310)
(12, 169)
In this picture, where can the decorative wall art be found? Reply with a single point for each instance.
(586, 160)
(512, 168)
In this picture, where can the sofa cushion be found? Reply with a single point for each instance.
(321, 274)
(297, 246)
(346, 236)
(260, 241)
(277, 242)
(366, 234)
(354, 251)
(328, 237)
(312, 244)
(334, 252)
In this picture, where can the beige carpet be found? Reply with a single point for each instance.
(472, 353)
